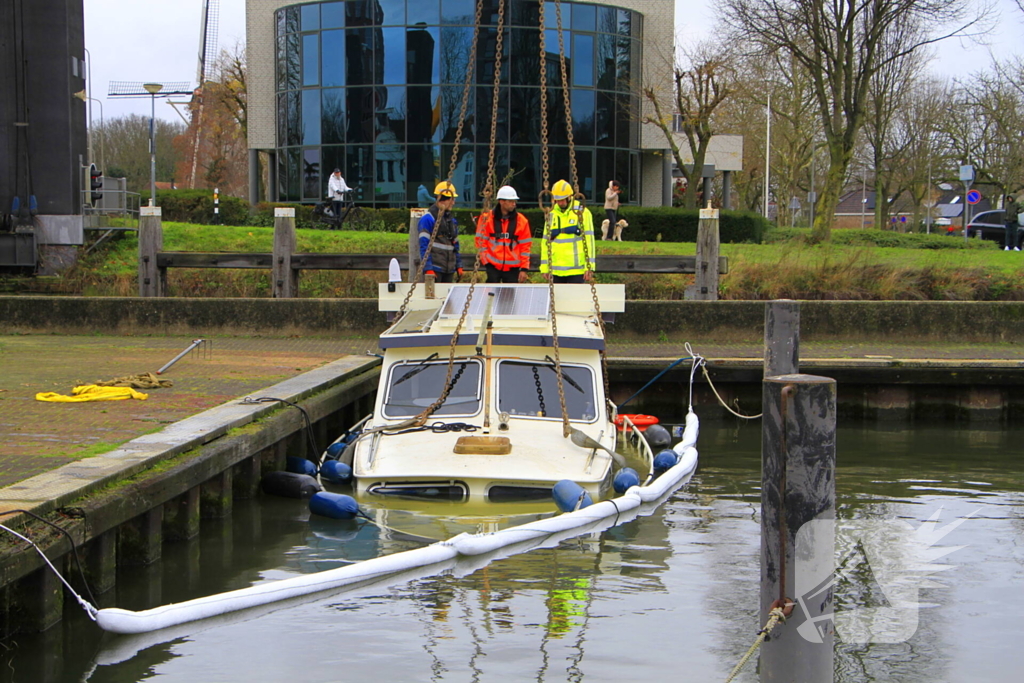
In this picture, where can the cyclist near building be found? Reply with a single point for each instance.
(444, 259)
(336, 189)
(568, 237)
(503, 239)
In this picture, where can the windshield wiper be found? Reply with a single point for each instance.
(566, 377)
(416, 370)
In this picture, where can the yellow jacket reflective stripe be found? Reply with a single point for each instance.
(572, 246)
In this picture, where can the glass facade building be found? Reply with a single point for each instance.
(375, 88)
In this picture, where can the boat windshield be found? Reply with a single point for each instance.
(531, 390)
(414, 386)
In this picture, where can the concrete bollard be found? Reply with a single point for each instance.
(781, 337)
(152, 280)
(285, 279)
(705, 287)
(798, 499)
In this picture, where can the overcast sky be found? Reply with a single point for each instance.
(143, 40)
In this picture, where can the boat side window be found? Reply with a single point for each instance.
(531, 390)
(414, 386)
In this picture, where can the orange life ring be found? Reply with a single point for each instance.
(641, 421)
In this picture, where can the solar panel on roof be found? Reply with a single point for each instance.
(510, 301)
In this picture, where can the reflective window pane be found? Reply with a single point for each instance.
(583, 17)
(281, 66)
(450, 111)
(423, 117)
(487, 51)
(294, 126)
(456, 44)
(310, 59)
(332, 51)
(464, 176)
(607, 19)
(291, 19)
(280, 19)
(359, 115)
(392, 12)
(309, 17)
(333, 115)
(606, 62)
(311, 117)
(423, 62)
(604, 120)
(485, 104)
(389, 167)
(282, 176)
(311, 173)
(294, 187)
(532, 390)
(359, 169)
(393, 55)
(500, 167)
(622, 111)
(282, 119)
(525, 164)
(524, 122)
(423, 169)
(625, 22)
(293, 61)
(583, 117)
(424, 11)
(522, 54)
(332, 15)
(523, 13)
(458, 12)
(551, 48)
(583, 61)
(333, 157)
(359, 56)
(359, 12)
(551, 17)
(623, 61)
(390, 116)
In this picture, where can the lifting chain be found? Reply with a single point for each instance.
(466, 88)
(489, 188)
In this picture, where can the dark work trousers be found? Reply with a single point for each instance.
(336, 208)
(568, 279)
(495, 276)
(1010, 238)
(444, 277)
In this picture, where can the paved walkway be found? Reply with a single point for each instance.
(37, 437)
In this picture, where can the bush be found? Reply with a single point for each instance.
(879, 238)
(196, 206)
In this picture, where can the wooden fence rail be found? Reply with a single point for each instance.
(286, 264)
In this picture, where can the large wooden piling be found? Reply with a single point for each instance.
(781, 337)
(798, 460)
(152, 280)
(285, 278)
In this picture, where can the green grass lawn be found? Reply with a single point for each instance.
(791, 269)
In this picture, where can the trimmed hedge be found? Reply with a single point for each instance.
(880, 238)
(196, 206)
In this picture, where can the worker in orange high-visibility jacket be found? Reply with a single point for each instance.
(503, 240)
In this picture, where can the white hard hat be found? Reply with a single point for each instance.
(506, 192)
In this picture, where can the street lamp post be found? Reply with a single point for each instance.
(152, 89)
(83, 95)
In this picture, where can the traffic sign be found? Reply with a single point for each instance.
(973, 197)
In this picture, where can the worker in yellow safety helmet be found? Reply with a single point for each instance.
(568, 251)
(443, 259)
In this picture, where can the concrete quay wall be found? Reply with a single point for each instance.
(907, 321)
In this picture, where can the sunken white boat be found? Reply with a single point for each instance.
(499, 433)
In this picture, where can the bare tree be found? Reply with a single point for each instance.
(701, 83)
(126, 143)
(842, 45)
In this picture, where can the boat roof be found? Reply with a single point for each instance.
(520, 314)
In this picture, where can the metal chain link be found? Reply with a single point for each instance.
(489, 185)
(544, 158)
(466, 87)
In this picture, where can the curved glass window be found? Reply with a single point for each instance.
(414, 386)
(531, 390)
(375, 88)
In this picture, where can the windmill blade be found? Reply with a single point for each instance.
(209, 22)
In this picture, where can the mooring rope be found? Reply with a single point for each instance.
(775, 616)
(88, 607)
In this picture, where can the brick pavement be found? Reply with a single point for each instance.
(36, 437)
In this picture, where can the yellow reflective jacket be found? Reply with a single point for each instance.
(572, 246)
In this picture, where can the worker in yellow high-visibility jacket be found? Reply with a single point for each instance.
(568, 250)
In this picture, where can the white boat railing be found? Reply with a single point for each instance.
(636, 437)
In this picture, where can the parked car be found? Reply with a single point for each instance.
(989, 225)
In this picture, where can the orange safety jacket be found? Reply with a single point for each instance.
(506, 246)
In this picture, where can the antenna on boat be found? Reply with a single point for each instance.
(394, 274)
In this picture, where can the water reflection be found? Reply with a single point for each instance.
(676, 591)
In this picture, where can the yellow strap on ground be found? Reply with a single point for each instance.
(92, 392)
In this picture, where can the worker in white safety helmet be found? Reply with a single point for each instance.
(503, 240)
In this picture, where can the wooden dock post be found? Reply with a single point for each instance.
(798, 500)
(285, 278)
(152, 280)
(781, 337)
(706, 283)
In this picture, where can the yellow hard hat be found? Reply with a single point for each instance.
(445, 188)
(562, 190)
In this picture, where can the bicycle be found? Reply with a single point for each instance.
(324, 212)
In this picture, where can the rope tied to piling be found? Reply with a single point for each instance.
(777, 614)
